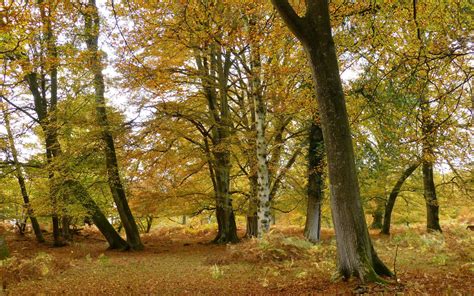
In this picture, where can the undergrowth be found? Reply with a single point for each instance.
(13, 269)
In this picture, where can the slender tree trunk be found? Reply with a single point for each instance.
(249, 123)
(149, 223)
(428, 143)
(80, 193)
(252, 219)
(20, 178)
(312, 227)
(428, 159)
(393, 196)
(53, 152)
(429, 189)
(92, 27)
(50, 121)
(263, 178)
(356, 255)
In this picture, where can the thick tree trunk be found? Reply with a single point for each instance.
(432, 207)
(356, 255)
(393, 197)
(227, 229)
(312, 227)
(92, 26)
(252, 219)
(20, 178)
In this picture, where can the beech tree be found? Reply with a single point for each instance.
(393, 196)
(19, 174)
(312, 227)
(36, 66)
(417, 66)
(92, 28)
(356, 255)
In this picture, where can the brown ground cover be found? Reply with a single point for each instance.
(180, 261)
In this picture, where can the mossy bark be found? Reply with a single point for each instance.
(312, 227)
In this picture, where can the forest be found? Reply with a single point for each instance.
(236, 147)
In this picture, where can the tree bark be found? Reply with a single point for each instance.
(393, 197)
(80, 193)
(428, 131)
(263, 178)
(92, 27)
(312, 227)
(149, 223)
(65, 231)
(50, 120)
(377, 216)
(432, 206)
(213, 67)
(227, 228)
(356, 255)
(252, 219)
(429, 189)
(19, 175)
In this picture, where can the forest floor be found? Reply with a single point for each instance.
(180, 261)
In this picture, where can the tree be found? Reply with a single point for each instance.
(356, 255)
(393, 196)
(19, 175)
(312, 226)
(92, 27)
(420, 62)
(35, 62)
(215, 90)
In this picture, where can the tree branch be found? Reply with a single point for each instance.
(294, 22)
